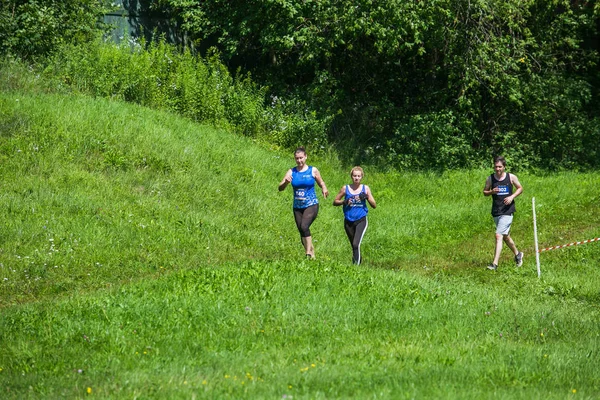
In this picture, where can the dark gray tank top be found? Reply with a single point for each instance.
(506, 189)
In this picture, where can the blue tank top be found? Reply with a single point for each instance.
(304, 188)
(357, 208)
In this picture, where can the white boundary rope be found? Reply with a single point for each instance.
(538, 251)
(569, 244)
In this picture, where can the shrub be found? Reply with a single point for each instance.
(35, 28)
(157, 75)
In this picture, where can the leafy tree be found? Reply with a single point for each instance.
(423, 84)
(34, 28)
(412, 84)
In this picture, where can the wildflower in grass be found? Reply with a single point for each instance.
(89, 390)
(542, 334)
(204, 382)
(574, 391)
(227, 376)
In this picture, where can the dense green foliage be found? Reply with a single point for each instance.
(423, 84)
(143, 255)
(35, 28)
(158, 76)
(411, 85)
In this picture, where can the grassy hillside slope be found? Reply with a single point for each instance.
(145, 256)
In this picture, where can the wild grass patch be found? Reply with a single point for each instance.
(143, 255)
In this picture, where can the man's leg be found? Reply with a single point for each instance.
(511, 244)
(498, 250)
(518, 255)
(503, 235)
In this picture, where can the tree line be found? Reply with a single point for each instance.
(403, 84)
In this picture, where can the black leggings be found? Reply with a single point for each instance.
(355, 231)
(304, 218)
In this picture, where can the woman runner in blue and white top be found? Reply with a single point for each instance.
(354, 199)
(306, 205)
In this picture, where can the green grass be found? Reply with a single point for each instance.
(145, 256)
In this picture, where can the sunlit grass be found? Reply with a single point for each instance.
(142, 255)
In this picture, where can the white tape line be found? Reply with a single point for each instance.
(570, 244)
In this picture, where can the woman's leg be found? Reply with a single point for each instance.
(361, 229)
(304, 218)
(355, 231)
(308, 246)
(350, 229)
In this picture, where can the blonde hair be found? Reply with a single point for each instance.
(357, 168)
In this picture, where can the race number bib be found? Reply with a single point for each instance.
(502, 190)
(300, 194)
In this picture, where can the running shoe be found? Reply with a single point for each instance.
(492, 267)
(519, 259)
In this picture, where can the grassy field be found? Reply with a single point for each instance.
(145, 256)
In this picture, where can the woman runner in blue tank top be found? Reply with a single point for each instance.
(354, 199)
(306, 204)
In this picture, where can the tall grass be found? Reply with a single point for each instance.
(146, 256)
(97, 187)
(160, 76)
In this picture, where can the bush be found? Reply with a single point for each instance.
(290, 123)
(157, 76)
(35, 28)
(202, 89)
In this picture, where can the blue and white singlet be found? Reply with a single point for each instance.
(357, 208)
(304, 188)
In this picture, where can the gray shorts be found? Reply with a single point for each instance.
(503, 223)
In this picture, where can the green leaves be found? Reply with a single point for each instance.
(34, 28)
(493, 65)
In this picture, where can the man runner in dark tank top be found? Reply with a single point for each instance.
(500, 185)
